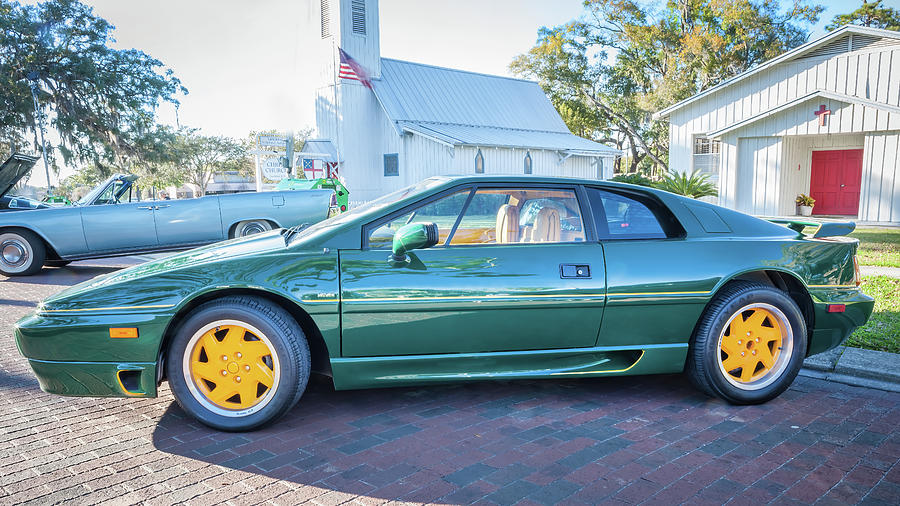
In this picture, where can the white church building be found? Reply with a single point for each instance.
(822, 119)
(418, 120)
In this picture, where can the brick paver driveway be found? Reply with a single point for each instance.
(573, 441)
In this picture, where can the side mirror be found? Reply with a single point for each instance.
(413, 236)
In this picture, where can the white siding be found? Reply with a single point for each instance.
(868, 74)
(759, 174)
(879, 199)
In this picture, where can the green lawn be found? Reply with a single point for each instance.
(882, 332)
(878, 246)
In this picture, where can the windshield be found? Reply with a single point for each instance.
(369, 208)
(87, 199)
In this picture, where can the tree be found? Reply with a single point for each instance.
(868, 14)
(611, 68)
(97, 96)
(199, 157)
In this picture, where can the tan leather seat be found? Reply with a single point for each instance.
(546, 226)
(507, 224)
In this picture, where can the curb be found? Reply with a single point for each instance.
(855, 366)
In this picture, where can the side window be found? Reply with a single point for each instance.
(624, 217)
(443, 212)
(520, 215)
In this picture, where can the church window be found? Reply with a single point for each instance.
(358, 16)
(391, 164)
(325, 19)
(479, 163)
(527, 162)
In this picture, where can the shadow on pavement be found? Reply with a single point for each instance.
(63, 276)
(381, 442)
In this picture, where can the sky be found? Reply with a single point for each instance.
(244, 68)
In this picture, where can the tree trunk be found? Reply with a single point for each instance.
(626, 125)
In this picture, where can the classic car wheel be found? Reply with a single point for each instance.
(749, 344)
(22, 253)
(238, 363)
(251, 227)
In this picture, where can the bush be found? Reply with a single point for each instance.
(693, 185)
(633, 178)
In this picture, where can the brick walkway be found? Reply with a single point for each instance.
(627, 440)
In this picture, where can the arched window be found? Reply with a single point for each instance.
(528, 162)
(479, 163)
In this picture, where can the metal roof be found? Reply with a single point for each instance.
(790, 55)
(459, 107)
(321, 149)
(505, 137)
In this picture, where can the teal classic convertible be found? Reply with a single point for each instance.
(111, 220)
(460, 279)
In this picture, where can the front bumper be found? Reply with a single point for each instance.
(96, 379)
(74, 355)
(831, 329)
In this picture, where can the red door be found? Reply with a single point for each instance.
(835, 181)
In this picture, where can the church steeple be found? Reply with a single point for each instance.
(353, 26)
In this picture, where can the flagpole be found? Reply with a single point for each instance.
(334, 59)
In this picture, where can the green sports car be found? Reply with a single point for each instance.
(460, 279)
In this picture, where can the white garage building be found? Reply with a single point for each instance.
(419, 120)
(822, 119)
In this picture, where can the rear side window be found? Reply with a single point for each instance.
(630, 216)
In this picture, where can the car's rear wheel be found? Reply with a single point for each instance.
(22, 253)
(749, 344)
(238, 363)
(250, 227)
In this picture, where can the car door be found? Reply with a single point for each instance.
(188, 221)
(658, 282)
(515, 269)
(113, 222)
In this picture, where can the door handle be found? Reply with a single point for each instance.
(843, 185)
(160, 207)
(149, 208)
(574, 271)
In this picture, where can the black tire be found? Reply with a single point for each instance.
(713, 370)
(57, 263)
(289, 364)
(22, 252)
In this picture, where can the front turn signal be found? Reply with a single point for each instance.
(123, 332)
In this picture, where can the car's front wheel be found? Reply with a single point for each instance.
(238, 363)
(22, 253)
(749, 344)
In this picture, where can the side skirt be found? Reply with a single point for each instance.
(377, 372)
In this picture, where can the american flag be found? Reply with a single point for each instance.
(352, 70)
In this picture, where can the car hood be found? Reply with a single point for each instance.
(14, 169)
(272, 241)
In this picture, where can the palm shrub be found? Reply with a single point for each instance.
(634, 178)
(693, 185)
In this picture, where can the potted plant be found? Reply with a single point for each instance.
(805, 203)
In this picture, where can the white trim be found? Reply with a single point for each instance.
(790, 55)
(840, 97)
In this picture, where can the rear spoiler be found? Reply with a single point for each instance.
(828, 229)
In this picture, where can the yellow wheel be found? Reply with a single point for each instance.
(755, 346)
(238, 363)
(748, 345)
(233, 367)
